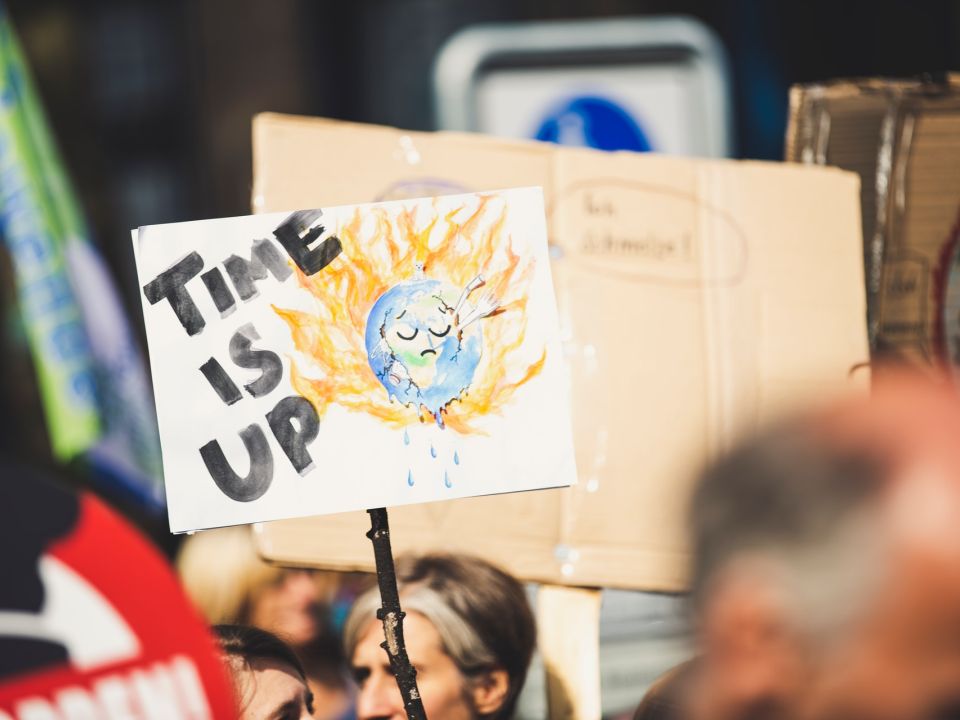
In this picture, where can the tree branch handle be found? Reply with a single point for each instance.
(392, 616)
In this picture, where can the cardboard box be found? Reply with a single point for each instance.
(697, 300)
(903, 138)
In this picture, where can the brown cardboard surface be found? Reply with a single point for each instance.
(903, 138)
(697, 299)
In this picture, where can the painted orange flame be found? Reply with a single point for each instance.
(381, 249)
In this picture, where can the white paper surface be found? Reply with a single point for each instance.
(508, 431)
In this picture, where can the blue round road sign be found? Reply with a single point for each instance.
(593, 121)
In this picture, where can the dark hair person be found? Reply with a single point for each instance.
(229, 582)
(826, 578)
(469, 633)
(267, 675)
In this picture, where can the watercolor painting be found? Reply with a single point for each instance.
(352, 357)
(421, 317)
(416, 341)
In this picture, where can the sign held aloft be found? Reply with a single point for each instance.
(354, 357)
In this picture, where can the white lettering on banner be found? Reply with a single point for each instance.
(189, 683)
(115, 698)
(169, 690)
(76, 703)
(36, 709)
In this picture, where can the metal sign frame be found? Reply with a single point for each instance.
(480, 49)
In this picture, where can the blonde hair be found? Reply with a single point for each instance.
(223, 575)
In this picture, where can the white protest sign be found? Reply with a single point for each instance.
(355, 357)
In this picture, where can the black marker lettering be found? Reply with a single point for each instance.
(309, 260)
(268, 362)
(294, 439)
(219, 292)
(245, 273)
(219, 380)
(260, 475)
(171, 284)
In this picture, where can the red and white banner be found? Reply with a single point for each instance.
(93, 623)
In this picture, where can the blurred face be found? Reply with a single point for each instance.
(288, 608)
(439, 680)
(898, 660)
(272, 690)
(903, 660)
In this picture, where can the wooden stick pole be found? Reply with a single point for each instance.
(569, 622)
(392, 616)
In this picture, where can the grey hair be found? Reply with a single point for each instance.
(801, 507)
(460, 641)
(480, 613)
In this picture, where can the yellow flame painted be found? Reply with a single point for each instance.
(380, 249)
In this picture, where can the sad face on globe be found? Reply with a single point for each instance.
(423, 343)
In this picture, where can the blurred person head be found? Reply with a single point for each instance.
(267, 675)
(229, 582)
(826, 579)
(663, 699)
(469, 633)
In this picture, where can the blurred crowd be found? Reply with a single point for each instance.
(824, 572)
(231, 585)
(825, 585)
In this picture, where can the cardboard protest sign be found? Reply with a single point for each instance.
(355, 357)
(93, 623)
(698, 299)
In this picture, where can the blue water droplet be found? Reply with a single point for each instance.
(406, 437)
(410, 478)
(433, 451)
(456, 458)
(446, 479)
